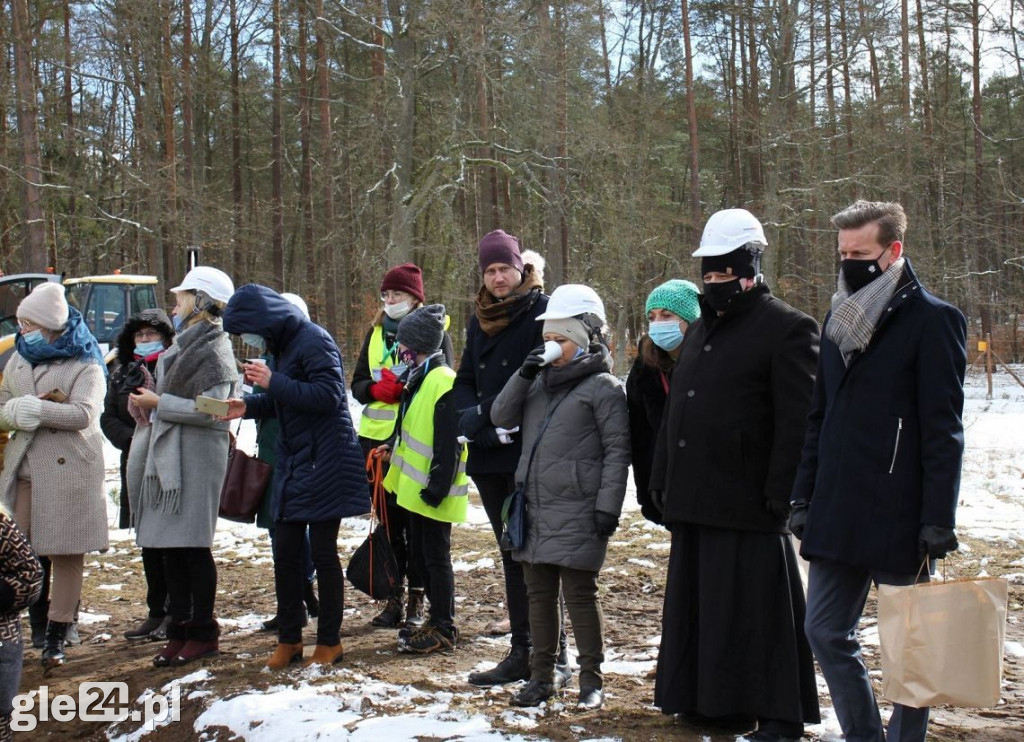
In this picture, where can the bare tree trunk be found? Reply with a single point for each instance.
(188, 121)
(74, 245)
(488, 195)
(691, 120)
(308, 247)
(276, 155)
(33, 247)
(237, 242)
(333, 248)
(562, 134)
(400, 242)
(170, 270)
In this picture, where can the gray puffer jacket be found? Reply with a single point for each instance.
(581, 463)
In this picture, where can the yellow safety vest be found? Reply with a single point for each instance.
(378, 420)
(414, 451)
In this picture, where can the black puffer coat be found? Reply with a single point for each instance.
(581, 463)
(115, 421)
(319, 473)
(737, 414)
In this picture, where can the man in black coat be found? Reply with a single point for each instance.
(501, 333)
(732, 647)
(877, 487)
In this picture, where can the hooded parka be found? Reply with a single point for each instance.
(581, 464)
(319, 473)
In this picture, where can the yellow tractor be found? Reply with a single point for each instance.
(105, 302)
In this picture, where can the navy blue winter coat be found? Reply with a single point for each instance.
(319, 474)
(885, 436)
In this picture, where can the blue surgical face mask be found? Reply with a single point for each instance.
(667, 334)
(254, 341)
(178, 322)
(35, 337)
(148, 349)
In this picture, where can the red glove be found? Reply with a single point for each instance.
(389, 389)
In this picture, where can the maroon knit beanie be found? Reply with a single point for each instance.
(406, 277)
(500, 247)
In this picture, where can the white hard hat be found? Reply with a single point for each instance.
(728, 230)
(297, 301)
(571, 300)
(212, 282)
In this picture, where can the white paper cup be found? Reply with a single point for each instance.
(261, 361)
(552, 352)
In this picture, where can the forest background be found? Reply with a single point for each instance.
(311, 144)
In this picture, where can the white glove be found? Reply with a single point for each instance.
(24, 412)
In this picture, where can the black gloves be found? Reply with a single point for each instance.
(936, 541)
(486, 438)
(798, 518)
(779, 509)
(658, 501)
(532, 364)
(431, 499)
(472, 421)
(650, 512)
(605, 523)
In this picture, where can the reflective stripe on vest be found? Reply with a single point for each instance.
(378, 420)
(414, 453)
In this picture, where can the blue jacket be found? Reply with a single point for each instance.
(885, 436)
(319, 473)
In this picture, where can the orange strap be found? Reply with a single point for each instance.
(378, 498)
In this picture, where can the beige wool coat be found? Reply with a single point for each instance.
(64, 455)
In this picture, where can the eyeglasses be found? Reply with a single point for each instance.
(27, 325)
(149, 334)
(394, 295)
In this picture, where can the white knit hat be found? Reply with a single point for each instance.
(46, 306)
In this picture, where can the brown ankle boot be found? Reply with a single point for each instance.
(284, 655)
(325, 655)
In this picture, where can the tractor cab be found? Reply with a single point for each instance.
(105, 302)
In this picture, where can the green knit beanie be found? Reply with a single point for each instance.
(678, 297)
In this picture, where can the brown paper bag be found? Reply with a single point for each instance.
(942, 642)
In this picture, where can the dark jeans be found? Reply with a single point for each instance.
(579, 587)
(836, 594)
(289, 580)
(307, 554)
(494, 488)
(432, 541)
(191, 584)
(409, 565)
(11, 654)
(156, 581)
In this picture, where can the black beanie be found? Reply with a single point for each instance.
(422, 330)
(744, 262)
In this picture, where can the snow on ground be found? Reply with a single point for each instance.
(354, 707)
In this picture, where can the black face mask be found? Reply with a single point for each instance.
(719, 295)
(859, 273)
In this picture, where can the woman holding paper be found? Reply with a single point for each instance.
(176, 465)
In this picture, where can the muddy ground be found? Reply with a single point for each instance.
(632, 593)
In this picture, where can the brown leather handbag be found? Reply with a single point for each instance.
(244, 484)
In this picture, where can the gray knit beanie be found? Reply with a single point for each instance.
(422, 330)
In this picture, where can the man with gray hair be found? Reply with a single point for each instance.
(876, 491)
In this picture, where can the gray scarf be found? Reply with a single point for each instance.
(855, 316)
(199, 359)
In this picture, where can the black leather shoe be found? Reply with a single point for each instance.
(534, 693)
(515, 667)
(591, 698)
